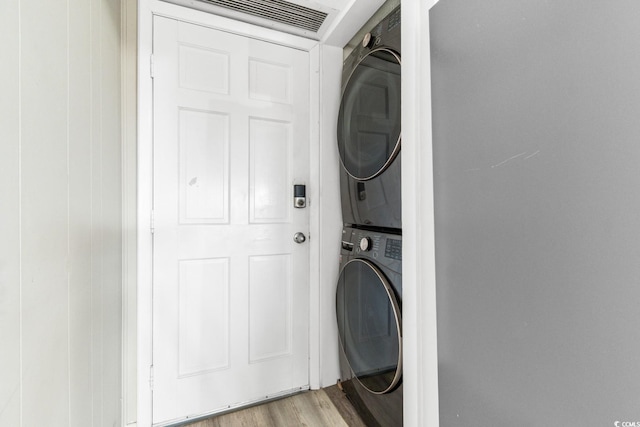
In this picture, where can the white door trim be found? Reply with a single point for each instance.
(420, 378)
(146, 10)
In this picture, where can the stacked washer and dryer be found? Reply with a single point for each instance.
(369, 290)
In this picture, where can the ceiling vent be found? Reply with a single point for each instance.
(302, 18)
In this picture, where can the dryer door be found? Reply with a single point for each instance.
(369, 118)
(369, 324)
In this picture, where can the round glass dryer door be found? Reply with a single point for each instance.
(369, 325)
(369, 117)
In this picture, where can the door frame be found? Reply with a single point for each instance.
(147, 9)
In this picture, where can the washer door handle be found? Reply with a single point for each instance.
(299, 237)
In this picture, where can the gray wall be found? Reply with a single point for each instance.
(60, 213)
(536, 127)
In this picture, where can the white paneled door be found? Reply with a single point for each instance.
(230, 285)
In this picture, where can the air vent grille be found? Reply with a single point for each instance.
(279, 11)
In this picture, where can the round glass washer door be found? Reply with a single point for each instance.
(369, 325)
(369, 117)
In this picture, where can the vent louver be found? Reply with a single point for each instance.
(279, 11)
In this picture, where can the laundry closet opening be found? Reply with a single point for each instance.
(233, 116)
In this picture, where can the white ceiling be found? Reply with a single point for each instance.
(333, 4)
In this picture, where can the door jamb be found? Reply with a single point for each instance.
(146, 11)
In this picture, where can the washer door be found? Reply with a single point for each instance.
(369, 324)
(369, 118)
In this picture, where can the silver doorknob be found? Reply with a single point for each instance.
(299, 237)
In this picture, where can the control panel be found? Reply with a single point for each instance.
(393, 249)
(375, 245)
(394, 20)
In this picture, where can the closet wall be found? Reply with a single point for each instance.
(60, 213)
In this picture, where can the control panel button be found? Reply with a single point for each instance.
(365, 244)
(366, 40)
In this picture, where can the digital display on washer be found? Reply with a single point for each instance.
(369, 326)
(369, 117)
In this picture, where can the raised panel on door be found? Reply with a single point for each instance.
(204, 69)
(203, 316)
(204, 166)
(269, 170)
(269, 81)
(270, 307)
(231, 297)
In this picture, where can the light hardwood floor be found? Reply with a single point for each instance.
(317, 408)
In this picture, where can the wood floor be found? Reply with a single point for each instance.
(328, 407)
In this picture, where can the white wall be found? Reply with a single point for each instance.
(60, 215)
(330, 214)
(129, 207)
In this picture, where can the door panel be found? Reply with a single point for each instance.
(269, 174)
(269, 307)
(204, 166)
(231, 297)
(203, 319)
